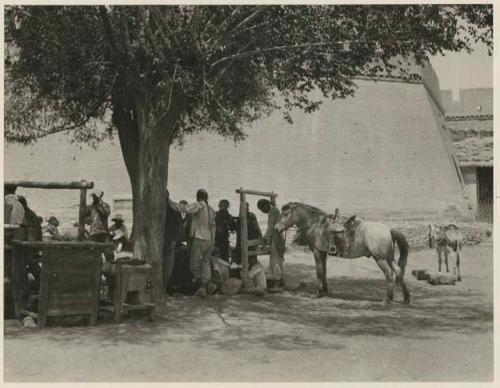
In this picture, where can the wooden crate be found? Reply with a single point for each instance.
(70, 278)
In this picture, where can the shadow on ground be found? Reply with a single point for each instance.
(295, 320)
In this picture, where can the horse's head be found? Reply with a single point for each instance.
(288, 217)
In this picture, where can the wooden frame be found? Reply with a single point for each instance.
(83, 186)
(19, 253)
(245, 243)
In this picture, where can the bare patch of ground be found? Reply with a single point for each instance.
(446, 334)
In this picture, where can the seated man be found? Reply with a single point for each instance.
(118, 224)
(121, 245)
(257, 277)
(51, 228)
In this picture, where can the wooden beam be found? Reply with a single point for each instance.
(51, 185)
(244, 238)
(82, 214)
(63, 244)
(270, 194)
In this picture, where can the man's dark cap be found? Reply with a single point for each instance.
(262, 203)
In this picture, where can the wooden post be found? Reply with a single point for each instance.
(82, 214)
(273, 198)
(244, 238)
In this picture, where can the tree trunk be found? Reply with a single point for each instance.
(128, 133)
(146, 155)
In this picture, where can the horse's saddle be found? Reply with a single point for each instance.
(343, 235)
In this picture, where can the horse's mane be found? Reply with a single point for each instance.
(309, 208)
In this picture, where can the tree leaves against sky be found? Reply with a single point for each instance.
(70, 68)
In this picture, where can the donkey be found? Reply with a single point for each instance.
(444, 238)
(355, 238)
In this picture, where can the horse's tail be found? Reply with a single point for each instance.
(400, 239)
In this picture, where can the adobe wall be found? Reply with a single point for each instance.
(378, 154)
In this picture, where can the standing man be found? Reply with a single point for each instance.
(202, 233)
(186, 220)
(275, 240)
(253, 233)
(14, 212)
(97, 217)
(32, 222)
(173, 233)
(223, 221)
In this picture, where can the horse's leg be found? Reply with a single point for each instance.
(386, 269)
(323, 279)
(319, 273)
(398, 277)
(440, 261)
(446, 254)
(457, 253)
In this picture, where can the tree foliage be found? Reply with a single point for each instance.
(74, 67)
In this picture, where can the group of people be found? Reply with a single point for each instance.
(195, 237)
(197, 233)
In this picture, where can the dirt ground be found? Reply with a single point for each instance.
(446, 334)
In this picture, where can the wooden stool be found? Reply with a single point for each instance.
(133, 290)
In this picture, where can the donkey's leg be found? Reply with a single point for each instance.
(319, 273)
(386, 269)
(440, 260)
(446, 254)
(457, 253)
(323, 278)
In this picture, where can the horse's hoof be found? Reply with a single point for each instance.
(406, 301)
(320, 294)
(386, 302)
(459, 279)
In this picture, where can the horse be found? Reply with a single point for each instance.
(354, 238)
(443, 238)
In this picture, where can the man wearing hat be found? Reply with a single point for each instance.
(97, 217)
(118, 224)
(51, 228)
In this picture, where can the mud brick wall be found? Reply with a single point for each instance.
(417, 232)
(380, 154)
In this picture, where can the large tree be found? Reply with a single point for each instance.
(155, 74)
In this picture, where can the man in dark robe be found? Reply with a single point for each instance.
(223, 225)
(173, 234)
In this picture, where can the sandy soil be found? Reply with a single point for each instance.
(446, 334)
